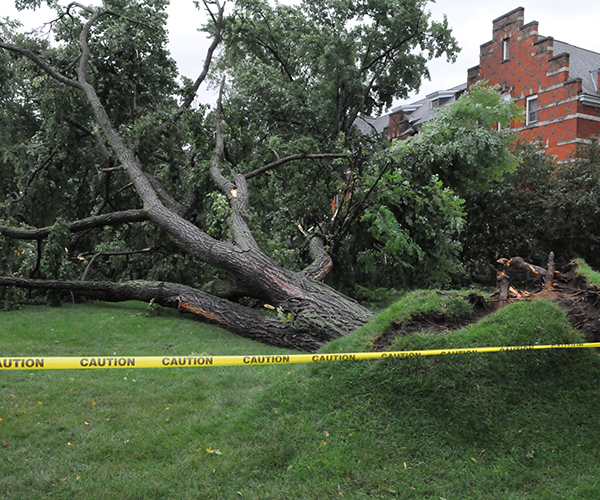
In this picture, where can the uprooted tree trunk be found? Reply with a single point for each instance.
(311, 313)
(304, 332)
(519, 264)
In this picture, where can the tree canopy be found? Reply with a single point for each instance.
(116, 186)
(316, 65)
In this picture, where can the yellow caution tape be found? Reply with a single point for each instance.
(95, 362)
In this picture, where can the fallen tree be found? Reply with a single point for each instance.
(113, 63)
(314, 312)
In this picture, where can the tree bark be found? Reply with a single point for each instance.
(322, 262)
(519, 264)
(312, 312)
(113, 218)
(503, 285)
(268, 328)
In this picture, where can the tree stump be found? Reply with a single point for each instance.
(550, 272)
(503, 284)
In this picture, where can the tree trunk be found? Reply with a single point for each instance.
(309, 312)
(308, 330)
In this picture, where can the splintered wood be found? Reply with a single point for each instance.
(505, 291)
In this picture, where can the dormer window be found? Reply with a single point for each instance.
(441, 98)
(506, 49)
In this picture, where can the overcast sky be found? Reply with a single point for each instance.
(471, 21)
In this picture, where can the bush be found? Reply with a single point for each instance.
(540, 207)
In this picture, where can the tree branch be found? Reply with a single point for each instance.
(167, 198)
(354, 211)
(224, 184)
(322, 262)
(393, 47)
(41, 64)
(218, 23)
(275, 53)
(236, 191)
(211, 250)
(32, 175)
(299, 156)
(104, 12)
(110, 254)
(125, 155)
(244, 321)
(78, 226)
(237, 222)
(81, 6)
(97, 137)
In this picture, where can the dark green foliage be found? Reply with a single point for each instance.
(409, 235)
(314, 66)
(463, 144)
(298, 77)
(55, 166)
(11, 298)
(539, 208)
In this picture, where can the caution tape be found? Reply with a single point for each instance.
(100, 362)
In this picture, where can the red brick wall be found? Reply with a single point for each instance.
(533, 69)
(398, 126)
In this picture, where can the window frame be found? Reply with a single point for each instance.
(507, 97)
(529, 112)
(434, 103)
(506, 49)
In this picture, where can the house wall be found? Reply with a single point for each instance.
(399, 126)
(531, 68)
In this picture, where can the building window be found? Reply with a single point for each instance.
(532, 110)
(506, 49)
(507, 97)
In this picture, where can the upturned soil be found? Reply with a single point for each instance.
(570, 291)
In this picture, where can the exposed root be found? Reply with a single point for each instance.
(570, 291)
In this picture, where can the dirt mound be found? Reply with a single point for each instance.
(580, 301)
(435, 322)
(570, 291)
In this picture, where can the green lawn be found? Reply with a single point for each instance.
(507, 425)
(116, 433)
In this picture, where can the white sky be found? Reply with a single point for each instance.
(471, 21)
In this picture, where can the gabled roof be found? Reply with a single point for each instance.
(583, 64)
(367, 124)
(416, 113)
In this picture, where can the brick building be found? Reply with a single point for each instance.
(406, 120)
(557, 84)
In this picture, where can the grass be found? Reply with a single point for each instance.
(509, 425)
(115, 433)
(592, 275)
